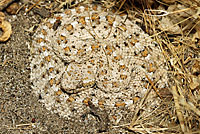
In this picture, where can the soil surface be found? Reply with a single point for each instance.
(20, 110)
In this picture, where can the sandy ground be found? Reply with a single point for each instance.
(19, 107)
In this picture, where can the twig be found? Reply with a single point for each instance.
(154, 88)
(178, 108)
(33, 6)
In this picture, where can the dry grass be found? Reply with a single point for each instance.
(179, 108)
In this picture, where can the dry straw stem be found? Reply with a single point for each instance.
(27, 126)
(178, 108)
(35, 4)
(66, 2)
